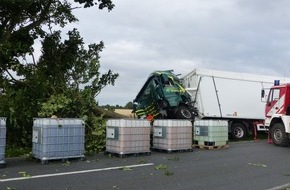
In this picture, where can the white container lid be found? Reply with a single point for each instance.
(57, 121)
(127, 123)
(210, 122)
(172, 123)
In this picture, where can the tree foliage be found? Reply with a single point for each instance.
(129, 105)
(63, 81)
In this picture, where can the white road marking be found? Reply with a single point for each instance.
(75, 172)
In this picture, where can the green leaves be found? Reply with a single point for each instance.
(96, 135)
(24, 174)
(102, 3)
(55, 105)
(163, 168)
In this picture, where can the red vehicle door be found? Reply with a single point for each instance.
(276, 99)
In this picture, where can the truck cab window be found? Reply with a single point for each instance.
(274, 95)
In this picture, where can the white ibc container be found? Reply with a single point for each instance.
(210, 132)
(2, 141)
(58, 138)
(127, 136)
(171, 135)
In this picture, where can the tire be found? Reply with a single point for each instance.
(184, 112)
(239, 131)
(278, 135)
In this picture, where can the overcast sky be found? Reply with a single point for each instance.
(142, 36)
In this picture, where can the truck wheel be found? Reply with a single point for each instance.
(279, 136)
(184, 113)
(238, 131)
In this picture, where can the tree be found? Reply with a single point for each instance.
(64, 81)
(129, 105)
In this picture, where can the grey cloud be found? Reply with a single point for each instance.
(143, 36)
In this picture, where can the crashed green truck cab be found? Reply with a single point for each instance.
(162, 96)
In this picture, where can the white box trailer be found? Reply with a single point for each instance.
(232, 96)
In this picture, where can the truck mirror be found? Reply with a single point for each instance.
(262, 93)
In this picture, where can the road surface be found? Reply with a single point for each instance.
(244, 165)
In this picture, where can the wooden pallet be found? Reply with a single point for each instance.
(211, 147)
(172, 151)
(63, 160)
(123, 155)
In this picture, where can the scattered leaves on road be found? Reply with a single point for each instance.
(10, 188)
(3, 175)
(168, 172)
(115, 187)
(257, 164)
(67, 163)
(24, 174)
(163, 167)
(142, 161)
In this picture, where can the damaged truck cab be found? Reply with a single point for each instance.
(162, 96)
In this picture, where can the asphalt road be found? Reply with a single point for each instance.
(244, 165)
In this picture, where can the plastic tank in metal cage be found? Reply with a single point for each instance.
(2, 141)
(127, 136)
(210, 132)
(58, 138)
(172, 135)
